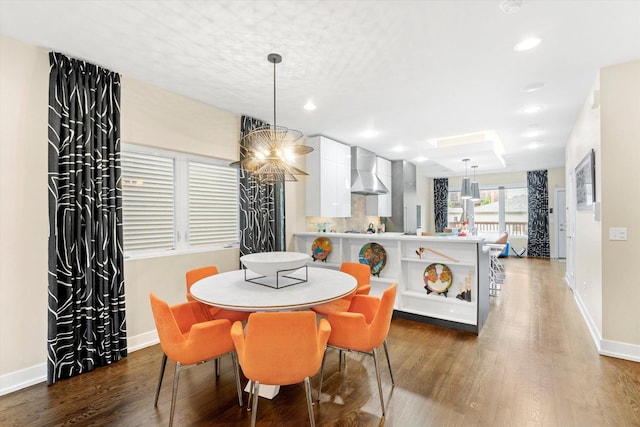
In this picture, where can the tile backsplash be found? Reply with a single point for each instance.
(358, 221)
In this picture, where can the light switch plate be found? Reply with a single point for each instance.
(617, 233)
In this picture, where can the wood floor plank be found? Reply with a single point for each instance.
(534, 363)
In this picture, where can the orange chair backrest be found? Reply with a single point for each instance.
(366, 332)
(281, 347)
(362, 273)
(186, 336)
(168, 330)
(382, 320)
(199, 273)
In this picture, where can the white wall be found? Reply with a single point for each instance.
(620, 195)
(607, 288)
(24, 222)
(588, 255)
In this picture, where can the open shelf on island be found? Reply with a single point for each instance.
(407, 258)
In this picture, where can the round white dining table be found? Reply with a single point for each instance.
(231, 291)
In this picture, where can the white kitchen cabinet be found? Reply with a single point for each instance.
(380, 205)
(329, 180)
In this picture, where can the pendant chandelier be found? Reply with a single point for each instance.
(465, 191)
(268, 150)
(475, 187)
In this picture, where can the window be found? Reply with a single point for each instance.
(176, 202)
(499, 209)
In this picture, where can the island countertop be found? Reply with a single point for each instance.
(396, 236)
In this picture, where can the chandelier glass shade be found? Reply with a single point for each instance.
(268, 151)
(475, 186)
(465, 190)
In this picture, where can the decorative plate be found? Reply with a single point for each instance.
(374, 256)
(437, 278)
(320, 249)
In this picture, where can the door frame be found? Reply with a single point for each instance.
(570, 273)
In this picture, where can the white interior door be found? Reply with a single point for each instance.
(561, 223)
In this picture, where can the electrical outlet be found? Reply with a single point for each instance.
(584, 285)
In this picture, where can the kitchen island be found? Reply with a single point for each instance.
(442, 280)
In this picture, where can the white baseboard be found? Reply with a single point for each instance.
(615, 349)
(591, 325)
(620, 350)
(142, 341)
(567, 280)
(23, 378)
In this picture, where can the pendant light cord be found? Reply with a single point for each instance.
(274, 94)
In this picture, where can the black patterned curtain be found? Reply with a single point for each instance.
(441, 203)
(262, 226)
(538, 244)
(86, 319)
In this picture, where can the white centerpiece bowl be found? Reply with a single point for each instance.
(269, 263)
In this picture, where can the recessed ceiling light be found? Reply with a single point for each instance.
(533, 145)
(532, 87)
(533, 133)
(398, 149)
(526, 44)
(532, 109)
(369, 133)
(420, 159)
(309, 106)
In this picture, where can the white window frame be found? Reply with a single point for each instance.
(181, 203)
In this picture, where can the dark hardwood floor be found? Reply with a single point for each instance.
(534, 363)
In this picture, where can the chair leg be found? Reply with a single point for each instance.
(342, 363)
(386, 352)
(307, 388)
(375, 362)
(250, 402)
(164, 364)
(217, 363)
(176, 377)
(321, 373)
(236, 369)
(256, 389)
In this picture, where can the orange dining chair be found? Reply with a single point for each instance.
(280, 348)
(213, 313)
(189, 338)
(362, 273)
(364, 329)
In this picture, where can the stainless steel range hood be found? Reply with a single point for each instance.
(363, 173)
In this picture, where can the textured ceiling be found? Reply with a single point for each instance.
(413, 71)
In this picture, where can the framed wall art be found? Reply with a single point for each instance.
(586, 182)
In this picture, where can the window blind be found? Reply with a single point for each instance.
(148, 201)
(213, 204)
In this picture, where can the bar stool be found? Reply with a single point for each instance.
(496, 268)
